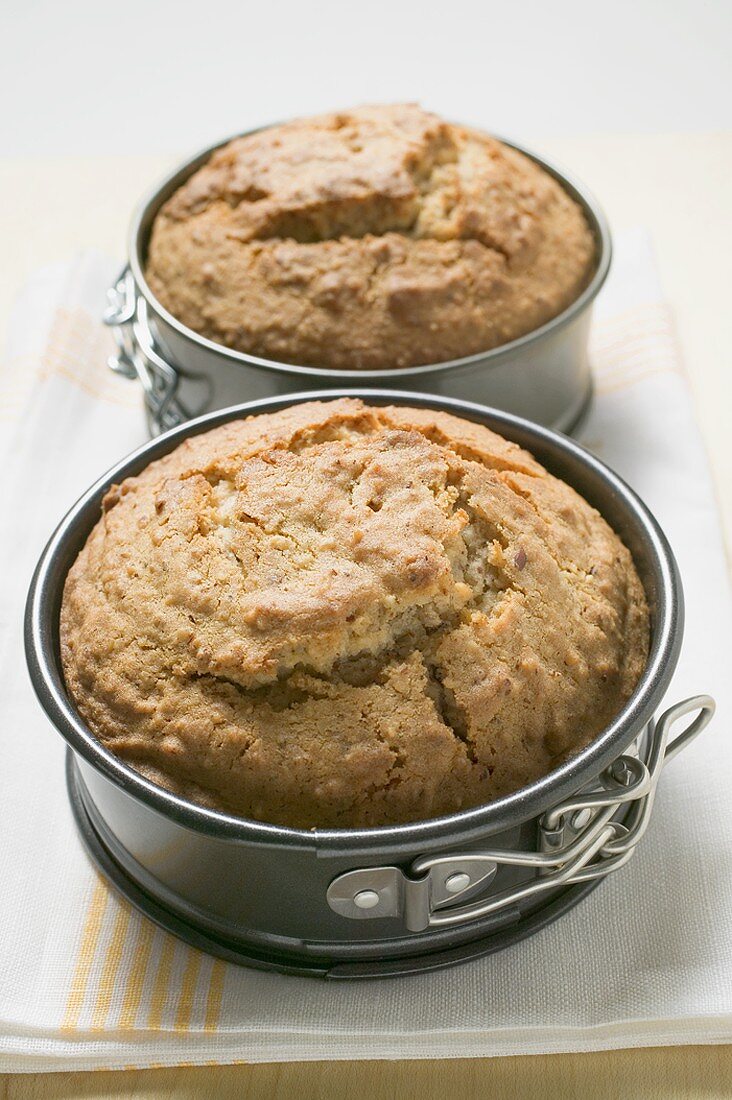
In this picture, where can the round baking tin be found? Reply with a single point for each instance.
(232, 951)
(544, 375)
(281, 898)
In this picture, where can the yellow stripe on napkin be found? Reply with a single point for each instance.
(85, 958)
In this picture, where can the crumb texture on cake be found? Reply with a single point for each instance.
(381, 237)
(338, 615)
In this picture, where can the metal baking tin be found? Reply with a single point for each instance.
(446, 889)
(544, 375)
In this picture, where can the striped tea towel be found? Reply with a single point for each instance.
(86, 982)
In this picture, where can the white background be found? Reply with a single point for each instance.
(128, 76)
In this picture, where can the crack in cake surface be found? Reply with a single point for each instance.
(426, 242)
(342, 615)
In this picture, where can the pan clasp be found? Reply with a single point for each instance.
(137, 357)
(579, 839)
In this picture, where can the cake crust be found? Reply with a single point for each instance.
(344, 616)
(377, 238)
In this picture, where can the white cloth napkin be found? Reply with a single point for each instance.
(85, 982)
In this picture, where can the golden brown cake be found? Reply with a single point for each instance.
(376, 238)
(338, 615)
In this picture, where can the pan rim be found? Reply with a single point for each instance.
(41, 629)
(153, 200)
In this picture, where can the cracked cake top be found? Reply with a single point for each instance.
(339, 615)
(375, 238)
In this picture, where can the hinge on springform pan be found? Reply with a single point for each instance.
(578, 840)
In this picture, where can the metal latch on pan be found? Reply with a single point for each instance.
(578, 840)
(126, 317)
